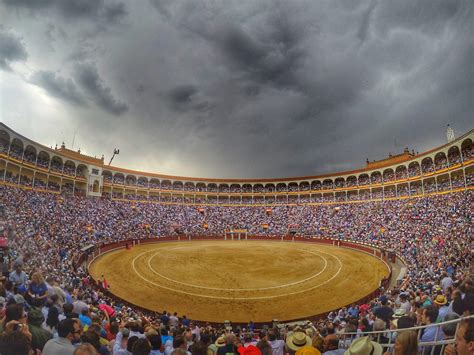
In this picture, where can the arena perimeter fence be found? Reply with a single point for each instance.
(88, 257)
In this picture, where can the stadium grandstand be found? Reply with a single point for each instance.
(76, 277)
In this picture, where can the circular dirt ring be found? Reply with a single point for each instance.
(240, 280)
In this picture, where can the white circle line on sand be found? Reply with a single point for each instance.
(236, 298)
(239, 289)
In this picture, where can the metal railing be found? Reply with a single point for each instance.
(386, 338)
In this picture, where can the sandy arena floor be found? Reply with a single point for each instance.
(240, 280)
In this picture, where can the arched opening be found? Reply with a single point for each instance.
(130, 180)
(328, 184)
(107, 175)
(235, 188)
(388, 175)
(454, 155)
(16, 149)
(440, 160)
(56, 164)
(401, 172)
(270, 188)
(364, 179)
(246, 188)
(189, 186)
(427, 165)
(81, 171)
(154, 184)
(351, 181)
(212, 187)
(43, 160)
(258, 188)
(281, 187)
(69, 168)
(292, 187)
(339, 183)
(142, 181)
(166, 185)
(304, 186)
(178, 185)
(30, 154)
(119, 179)
(223, 188)
(4, 141)
(376, 177)
(414, 169)
(467, 149)
(316, 185)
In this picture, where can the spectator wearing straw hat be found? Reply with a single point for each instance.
(442, 304)
(364, 346)
(297, 340)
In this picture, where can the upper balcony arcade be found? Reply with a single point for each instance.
(20, 155)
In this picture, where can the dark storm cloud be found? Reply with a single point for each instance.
(11, 49)
(87, 76)
(261, 88)
(59, 87)
(109, 11)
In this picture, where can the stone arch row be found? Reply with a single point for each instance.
(23, 175)
(449, 180)
(454, 155)
(43, 159)
(16, 148)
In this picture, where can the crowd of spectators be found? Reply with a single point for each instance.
(50, 304)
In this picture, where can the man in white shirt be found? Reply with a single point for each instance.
(174, 321)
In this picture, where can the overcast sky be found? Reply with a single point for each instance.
(238, 88)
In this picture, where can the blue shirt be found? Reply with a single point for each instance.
(38, 290)
(429, 334)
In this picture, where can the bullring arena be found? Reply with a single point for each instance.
(240, 280)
